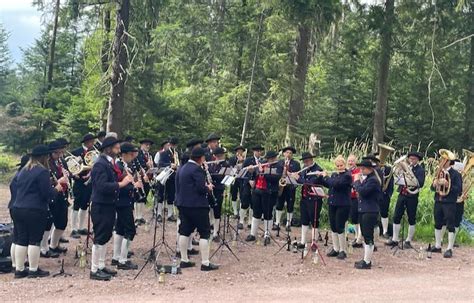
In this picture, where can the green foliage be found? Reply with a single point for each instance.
(7, 167)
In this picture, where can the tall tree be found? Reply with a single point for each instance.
(380, 113)
(52, 46)
(5, 61)
(469, 103)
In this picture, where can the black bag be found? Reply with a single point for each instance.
(5, 265)
(6, 232)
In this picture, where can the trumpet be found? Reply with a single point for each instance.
(442, 174)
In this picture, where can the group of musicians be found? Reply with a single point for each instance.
(109, 198)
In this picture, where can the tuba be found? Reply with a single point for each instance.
(444, 157)
(405, 176)
(74, 164)
(466, 174)
(384, 152)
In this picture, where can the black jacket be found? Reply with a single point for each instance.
(455, 190)
(419, 173)
(34, 189)
(214, 170)
(126, 193)
(191, 189)
(370, 193)
(271, 179)
(340, 186)
(105, 187)
(309, 181)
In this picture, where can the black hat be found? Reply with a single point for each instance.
(258, 147)
(40, 150)
(128, 138)
(307, 155)
(212, 137)
(87, 137)
(219, 151)
(372, 158)
(173, 140)
(367, 163)
(63, 141)
(198, 152)
(415, 154)
(24, 159)
(143, 141)
(284, 149)
(55, 145)
(109, 141)
(128, 147)
(164, 143)
(101, 134)
(193, 142)
(204, 145)
(239, 147)
(271, 154)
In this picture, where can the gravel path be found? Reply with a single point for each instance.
(259, 276)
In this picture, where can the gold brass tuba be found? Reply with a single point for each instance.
(467, 180)
(384, 152)
(444, 156)
(405, 176)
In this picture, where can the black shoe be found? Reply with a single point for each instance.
(250, 238)
(193, 252)
(130, 253)
(359, 262)
(362, 265)
(21, 274)
(249, 225)
(39, 273)
(216, 239)
(75, 234)
(142, 221)
(357, 245)
(138, 222)
(391, 243)
(62, 240)
(375, 248)
(59, 250)
(82, 232)
(385, 236)
(188, 264)
(456, 245)
(276, 227)
(448, 253)
(300, 245)
(209, 267)
(240, 226)
(342, 255)
(407, 244)
(435, 250)
(100, 276)
(159, 218)
(178, 254)
(288, 228)
(109, 271)
(172, 218)
(194, 242)
(114, 262)
(127, 266)
(332, 253)
(49, 254)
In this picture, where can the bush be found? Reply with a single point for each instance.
(7, 167)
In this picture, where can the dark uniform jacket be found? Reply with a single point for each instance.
(419, 173)
(58, 172)
(34, 188)
(340, 186)
(455, 190)
(191, 189)
(105, 187)
(214, 170)
(126, 193)
(309, 181)
(13, 188)
(370, 193)
(293, 166)
(271, 179)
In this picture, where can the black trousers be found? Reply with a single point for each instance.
(103, 219)
(338, 216)
(82, 195)
(146, 189)
(289, 196)
(245, 195)
(384, 206)
(410, 204)
(354, 214)
(310, 210)
(445, 213)
(159, 193)
(234, 190)
(170, 190)
(58, 211)
(459, 214)
(30, 224)
(125, 223)
(14, 232)
(194, 218)
(219, 195)
(368, 221)
(263, 202)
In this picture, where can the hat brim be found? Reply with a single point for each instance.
(308, 157)
(88, 139)
(419, 156)
(293, 150)
(102, 147)
(146, 141)
(365, 165)
(212, 139)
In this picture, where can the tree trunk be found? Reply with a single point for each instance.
(240, 52)
(52, 48)
(469, 114)
(104, 58)
(380, 113)
(119, 71)
(296, 104)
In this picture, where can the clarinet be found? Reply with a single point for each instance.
(211, 197)
(140, 191)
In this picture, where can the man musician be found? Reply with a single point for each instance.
(219, 188)
(354, 213)
(100, 138)
(170, 158)
(236, 162)
(143, 163)
(212, 142)
(288, 194)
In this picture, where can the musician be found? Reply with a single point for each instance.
(236, 161)
(106, 187)
(387, 190)
(445, 207)
(354, 213)
(143, 163)
(368, 187)
(170, 158)
(129, 139)
(214, 169)
(34, 191)
(125, 229)
(311, 203)
(459, 166)
(212, 142)
(159, 188)
(339, 201)
(100, 137)
(408, 201)
(82, 190)
(288, 194)
(265, 195)
(193, 205)
(247, 182)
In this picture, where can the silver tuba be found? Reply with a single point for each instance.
(404, 176)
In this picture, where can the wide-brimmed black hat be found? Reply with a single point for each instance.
(143, 141)
(24, 159)
(55, 145)
(258, 147)
(198, 152)
(173, 140)
(63, 141)
(213, 137)
(128, 138)
(109, 141)
(240, 147)
(87, 137)
(40, 150)
(219, 151)
(128, 147)
(271, 154)
(101, 134)
(367, 163)
(371, 157)
(284, 149)
(193, 142)
(307, 155)
(416, 154)
(163, 143)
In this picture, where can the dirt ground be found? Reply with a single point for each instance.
(259, 276)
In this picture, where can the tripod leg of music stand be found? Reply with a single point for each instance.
(231, 251)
